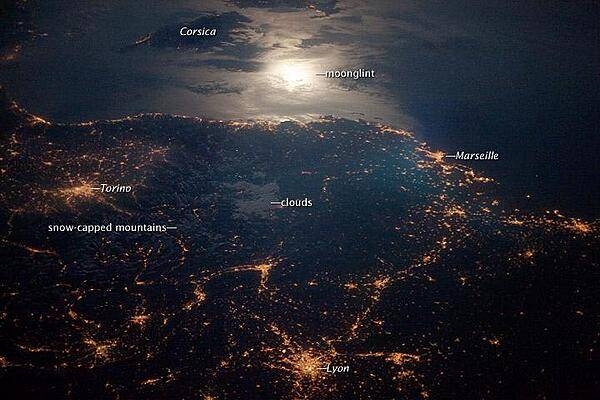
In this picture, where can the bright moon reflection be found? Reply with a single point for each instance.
(292, 75)
(288, 87)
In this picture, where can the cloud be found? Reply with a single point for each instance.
(326, 7)
(214, 88)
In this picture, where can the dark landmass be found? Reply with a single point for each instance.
(232, 32)
(406, 268)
